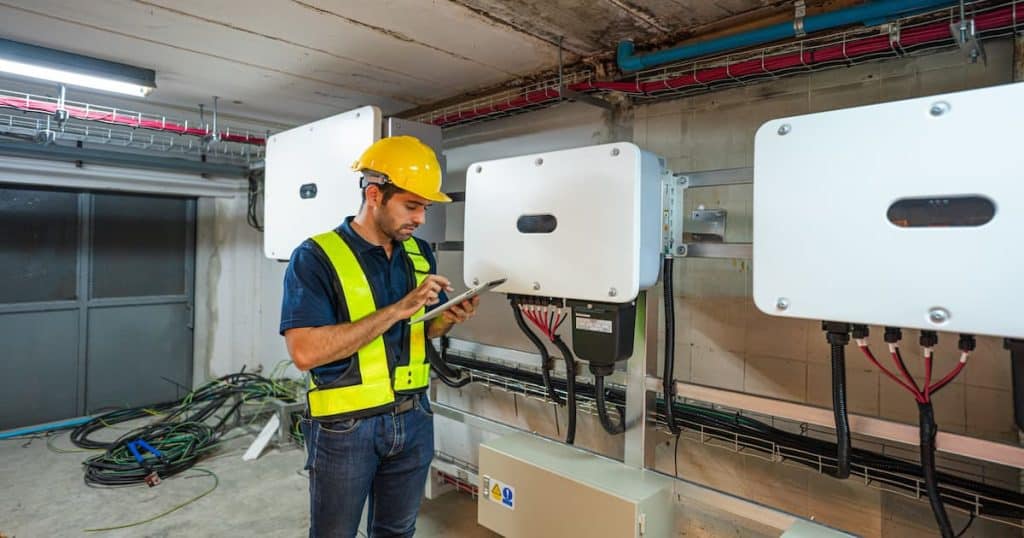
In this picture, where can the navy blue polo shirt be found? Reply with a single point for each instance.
(309, 298)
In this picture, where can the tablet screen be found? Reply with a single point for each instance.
(469, 294)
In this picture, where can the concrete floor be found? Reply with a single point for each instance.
(42, 494)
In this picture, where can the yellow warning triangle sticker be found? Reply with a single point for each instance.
(496, 492)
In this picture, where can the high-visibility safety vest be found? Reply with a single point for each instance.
(371, 382)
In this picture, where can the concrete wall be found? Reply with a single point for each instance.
(238, 294)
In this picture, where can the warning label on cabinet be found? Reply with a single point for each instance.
(500, 492)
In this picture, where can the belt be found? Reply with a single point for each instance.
(404, 406)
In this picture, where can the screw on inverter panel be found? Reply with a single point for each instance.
(939, 108)
(938, 315)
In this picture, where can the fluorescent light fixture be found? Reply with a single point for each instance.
(74, 70)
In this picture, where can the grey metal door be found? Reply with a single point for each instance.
(96, 294)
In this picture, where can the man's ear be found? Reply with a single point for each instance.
(373, 194)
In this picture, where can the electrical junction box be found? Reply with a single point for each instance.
(310, 185)
(531, 486)
(581, 223)
(602, 333)
(905, 214)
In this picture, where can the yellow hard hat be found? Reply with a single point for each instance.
(408, 163)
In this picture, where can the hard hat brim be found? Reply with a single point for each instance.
(438, 197)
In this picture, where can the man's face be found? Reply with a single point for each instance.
(401, 215)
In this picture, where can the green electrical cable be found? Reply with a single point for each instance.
(207, 472)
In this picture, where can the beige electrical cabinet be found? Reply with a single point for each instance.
(533, 487)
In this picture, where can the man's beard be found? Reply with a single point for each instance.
(397, 232)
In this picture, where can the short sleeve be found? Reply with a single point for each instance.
(308, 299)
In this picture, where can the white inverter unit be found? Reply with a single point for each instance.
(581, 223)
(906, 214)
(310, 185)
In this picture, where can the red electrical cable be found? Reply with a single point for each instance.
(898, 360)
(871, 357)
(535, 318)
(560, 320)
(949, 377)
(927, 376)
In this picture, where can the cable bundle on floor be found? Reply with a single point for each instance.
(178, 437)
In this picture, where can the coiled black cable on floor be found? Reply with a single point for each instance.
(180, 445)
(178, 437)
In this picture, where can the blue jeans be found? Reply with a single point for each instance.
(384, 457)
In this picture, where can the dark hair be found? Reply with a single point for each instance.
(387, 188)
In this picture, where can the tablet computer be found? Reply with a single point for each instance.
(469, 294)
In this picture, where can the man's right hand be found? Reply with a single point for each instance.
(424, 295)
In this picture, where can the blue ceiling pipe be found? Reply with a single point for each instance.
(868, 14)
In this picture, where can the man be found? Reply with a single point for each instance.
(348, 296)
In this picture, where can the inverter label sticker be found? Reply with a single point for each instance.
(594, 325)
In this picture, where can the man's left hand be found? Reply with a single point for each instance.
(461, 312)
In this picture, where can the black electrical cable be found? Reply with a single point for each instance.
(545, 358)
(184, 443)
(1016, 348)
(252, 217)
(602, 409)
(967, 525)
(838, 335)
(668, 381)
(439, 362)
(570, 387)
(928, 430)
(840, 411)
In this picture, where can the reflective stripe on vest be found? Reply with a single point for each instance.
(415, 374)
(375, 389)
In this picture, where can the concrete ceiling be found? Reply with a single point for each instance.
(293, 61)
